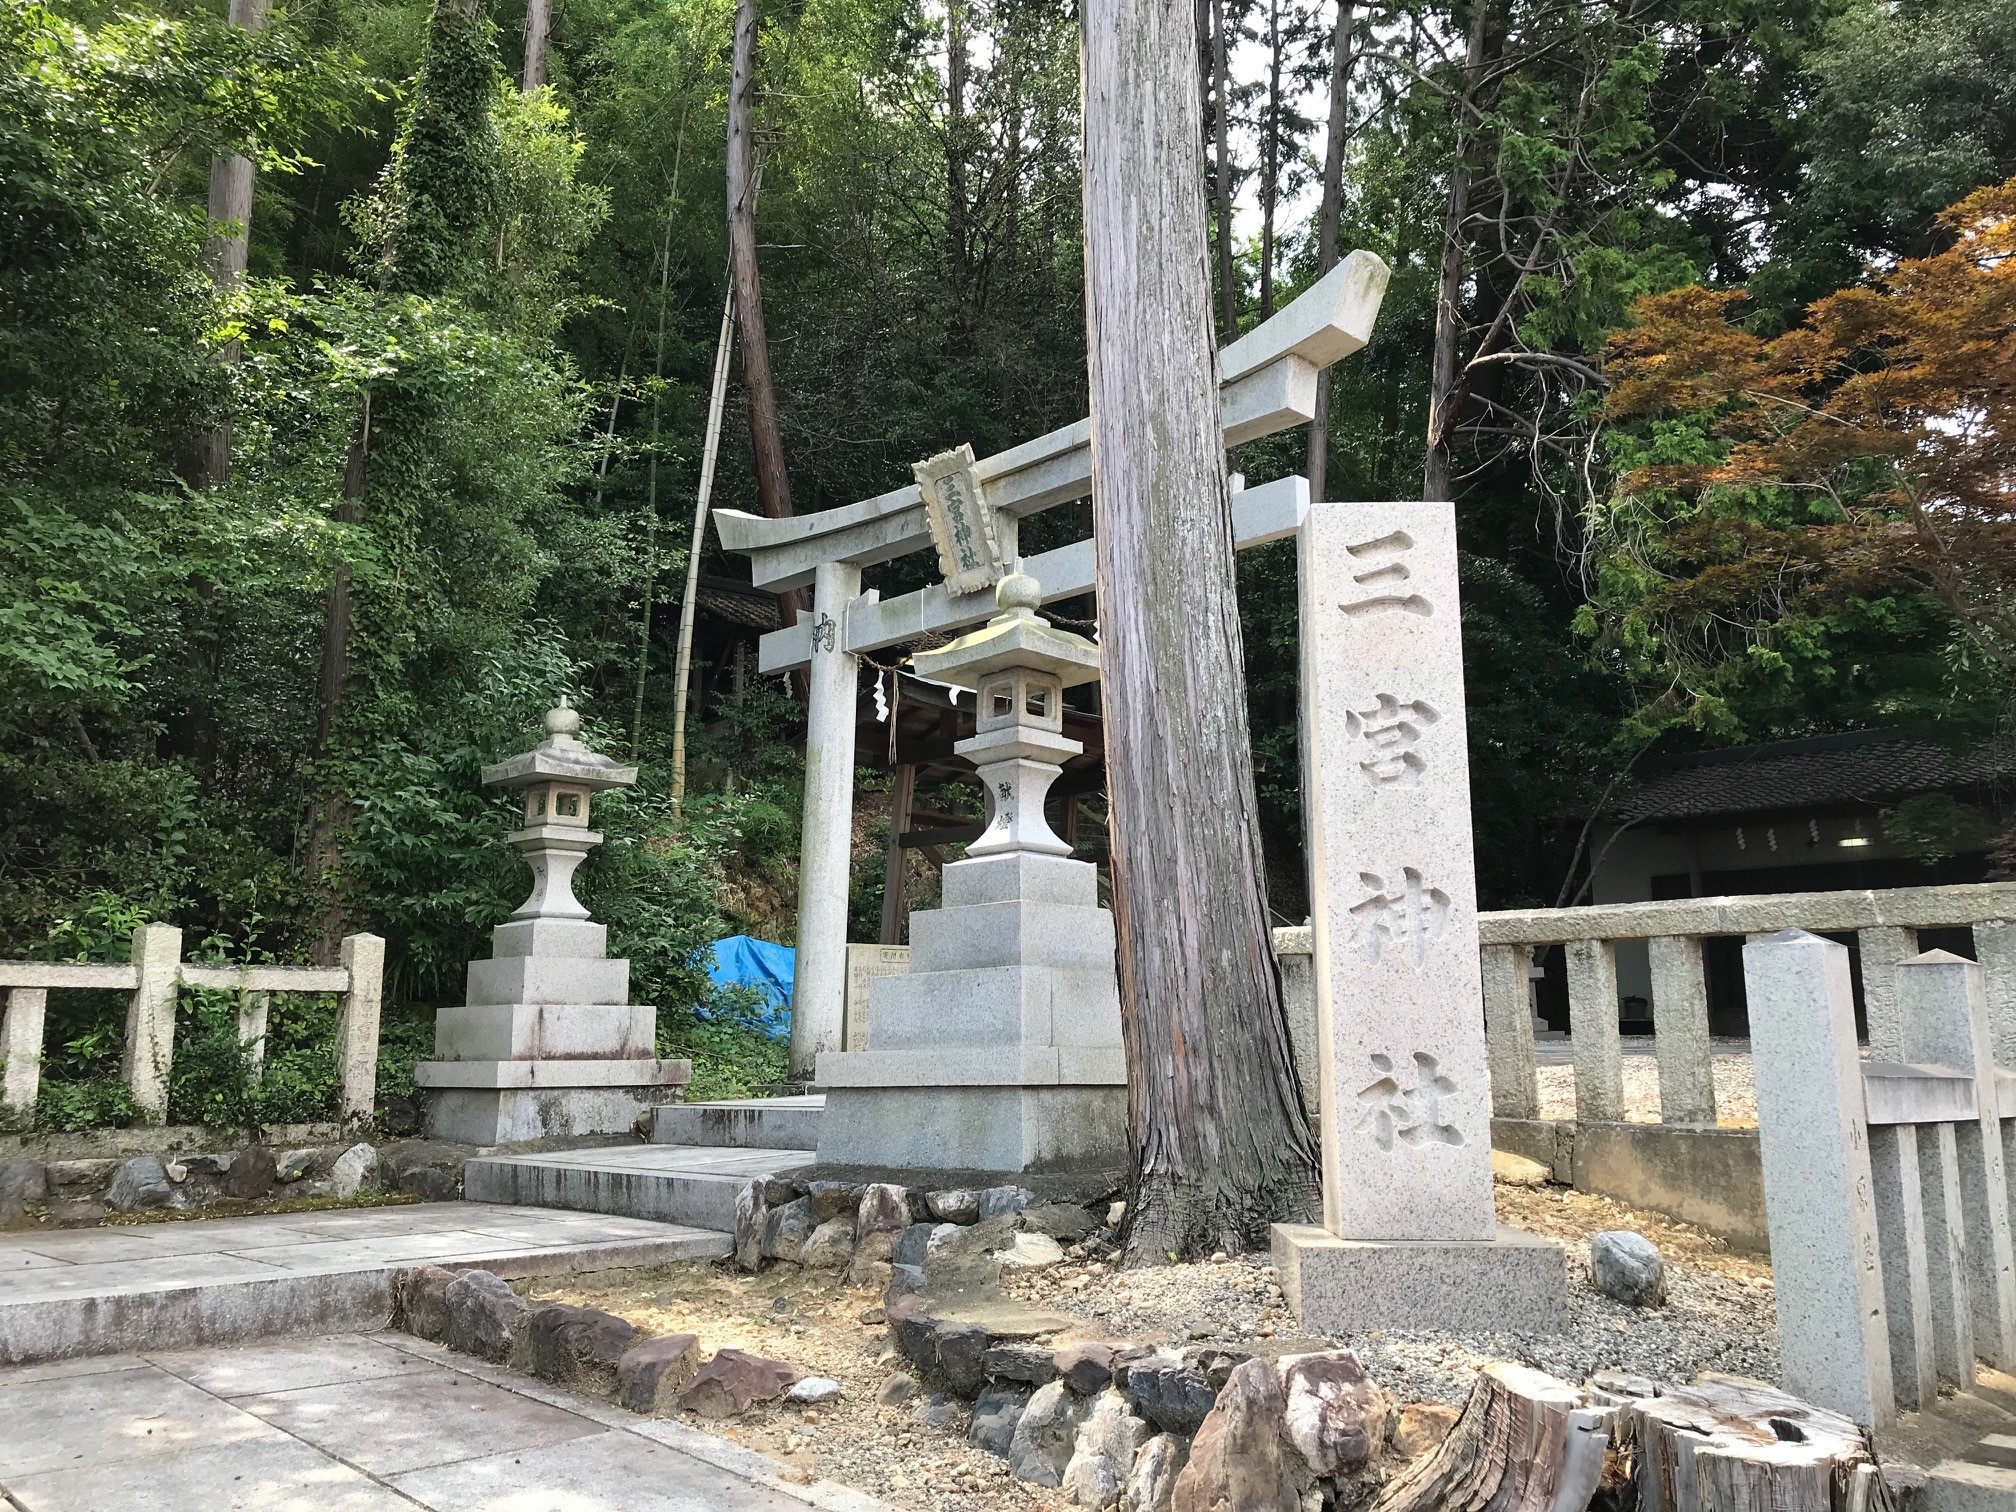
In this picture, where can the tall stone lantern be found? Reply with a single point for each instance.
(548, 1042)
(999, 1050)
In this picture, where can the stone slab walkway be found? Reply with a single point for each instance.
(70, 1292)
(356, 1424)
(669, 1183)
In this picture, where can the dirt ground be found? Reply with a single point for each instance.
(915, 1455)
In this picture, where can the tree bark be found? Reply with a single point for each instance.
(956, 198)
(1437, 482)
(332, 685)
(1221, 1144)
(1524, 1440)
(1270, 159)
(538, 34)
(1221, 128)
(1329, 218)
(773, 484)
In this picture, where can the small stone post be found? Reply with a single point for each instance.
(357, 1027)
(1508, 1031)
(21, 1055)
(255, 1011)
(819, 980)
(1945, 1256)
(1833, 1333)
(1883, 947)
(1944, 1015)
(1680, 1030)
(1592, 1030)
(150, 1019)
(1907, 1279)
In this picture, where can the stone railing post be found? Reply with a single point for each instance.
(150, 1019)
(1907, 1279)
(1882, 948)
(357, 1027)
(1680, 1030)
(1945, 1251)
(21, 1055)
(1995, 949)
(1592, 1029)
(255, 1010)
(1508, 1031)
(1944, 1013)
(1833, 1335)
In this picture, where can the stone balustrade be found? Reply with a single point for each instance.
(1885, 923)
(152, 976)
(1886, 1182)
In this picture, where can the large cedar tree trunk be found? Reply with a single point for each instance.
(538, 35)
(1437, 482)
(1328, 221)
(1221, 1143)
(1221, 130)
(773, 485)
(1270, 158)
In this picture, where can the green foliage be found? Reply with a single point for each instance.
(216, 1081)
(1932, 826)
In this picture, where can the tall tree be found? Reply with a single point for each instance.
(1272, 129)
(773, 484)
(1221, 1143)
(1329, 219)
(1221, 134)
(956, 149)
(1436, 479)
(538, 37)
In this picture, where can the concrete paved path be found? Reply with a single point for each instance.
(66, 1292)
(360, 1423)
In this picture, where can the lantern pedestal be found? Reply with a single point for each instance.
(548, 1043)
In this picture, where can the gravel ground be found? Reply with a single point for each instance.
(1735, 1093)
(1719, 1317)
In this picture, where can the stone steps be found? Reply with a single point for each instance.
(694, 1185)
(756, 1123)
(115, 1289)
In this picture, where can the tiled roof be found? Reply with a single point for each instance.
(1870, 766)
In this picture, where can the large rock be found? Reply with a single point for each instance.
(1032, 1252)
(577, 1347)
(957, 1206)
(485, 1317)
(1151, 1484)
(957, 1349)
(1175, 1398)
(421, 1298)
(23, 1185)
(349, 1172)
(912, 1244)
(871, 1264)
(732, 1380)
(1335, 1414)
(1240, 1459)
(884, 1209)
(1003, 1201)
(1628, 1267)
(1086, 1367)
(1047, 1436)
(652, 1373)
(291, 1166)
(251, 1174)
(995, 1417)
(1019, 1362)
(752, 1214)
(139, 1183)
(1065, 1222)
(830, 1246)
(787, 1228)
(1421, 1427)
(1104, 1453)
(836, 1199)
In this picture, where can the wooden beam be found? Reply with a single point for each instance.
(900, 791)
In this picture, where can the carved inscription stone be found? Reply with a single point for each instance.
(1403, 1085)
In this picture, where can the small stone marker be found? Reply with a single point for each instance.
(1401, 1069)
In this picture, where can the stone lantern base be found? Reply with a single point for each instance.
(1000, 1049)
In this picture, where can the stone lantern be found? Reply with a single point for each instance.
(999, 1050)
(548, 1042)
(1018, 665)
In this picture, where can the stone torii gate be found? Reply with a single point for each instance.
(1268, 379)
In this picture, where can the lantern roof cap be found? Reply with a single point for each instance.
(560, 758)
(1018, 638)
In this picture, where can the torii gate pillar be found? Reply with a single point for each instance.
(819, 975)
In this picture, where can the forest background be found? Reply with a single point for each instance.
(284, 561)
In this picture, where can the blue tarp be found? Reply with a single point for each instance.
(743, 961)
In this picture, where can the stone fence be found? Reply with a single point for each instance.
(1885, 925)
(152, 977)
(1886, 1180)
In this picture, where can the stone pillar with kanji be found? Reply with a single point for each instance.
(1409, 1235)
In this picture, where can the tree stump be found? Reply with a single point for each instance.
(1731, 1446)
(1525, 1443)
